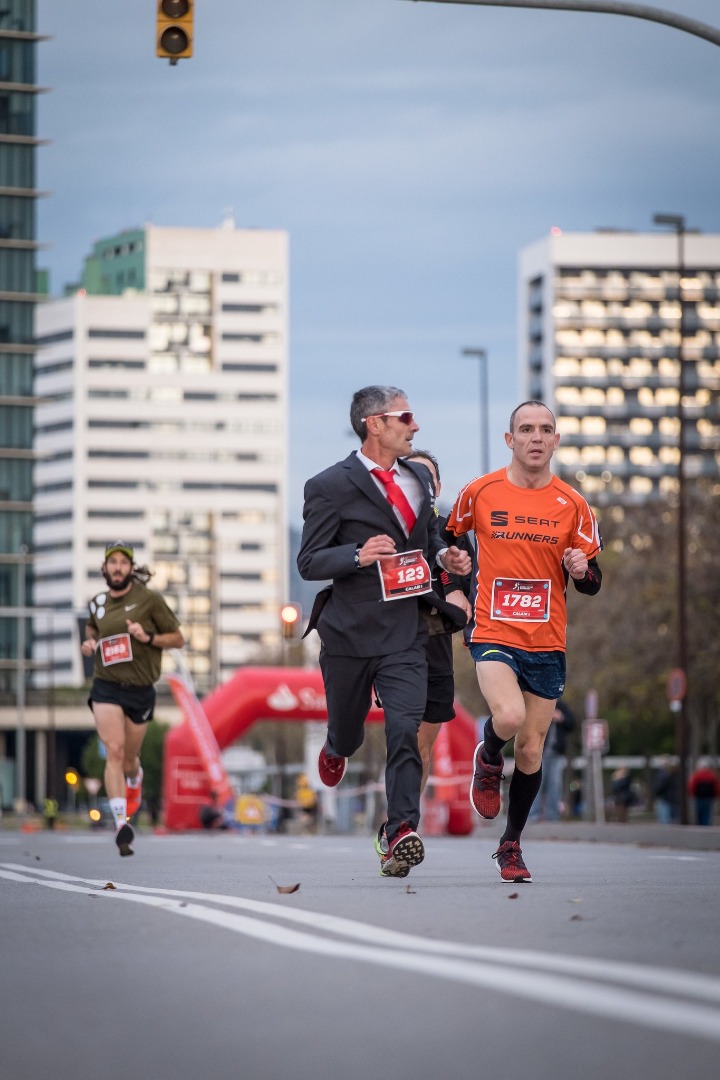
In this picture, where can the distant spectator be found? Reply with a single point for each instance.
(307, 801)
(623, 793)
(212, 815)
(666, 792)
(548, 799)
(704, 787)
(50, 813)
(577, 806)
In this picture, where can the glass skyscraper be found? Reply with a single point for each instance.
(18, 293)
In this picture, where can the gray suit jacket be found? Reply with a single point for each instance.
(344, 508)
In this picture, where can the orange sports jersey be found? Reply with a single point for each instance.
(522, 534)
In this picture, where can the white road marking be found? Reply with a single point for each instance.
(565, 981)
(679, 858)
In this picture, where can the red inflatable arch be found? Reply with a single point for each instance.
(283, 693)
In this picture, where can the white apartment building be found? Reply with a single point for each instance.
(163, 423)
(600, 342)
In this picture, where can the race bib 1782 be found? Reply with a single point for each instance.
(520, 600)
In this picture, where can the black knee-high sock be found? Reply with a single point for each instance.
(523, 789)
(492, 743)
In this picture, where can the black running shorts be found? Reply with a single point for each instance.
(137, 702)
(440, 704)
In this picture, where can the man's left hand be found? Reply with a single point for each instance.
(456, 561)
(575, 563)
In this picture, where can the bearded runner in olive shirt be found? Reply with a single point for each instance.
(127, 628)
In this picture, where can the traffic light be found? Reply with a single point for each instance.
(174, 29)
(71, 777)
(291, 619)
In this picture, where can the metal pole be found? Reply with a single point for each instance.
(20, 688)
(21, 613)
(677, 222)
(483, 408)
(637, 11)
(485, 461)
(51, 737)
(597, 786)
(683, 716)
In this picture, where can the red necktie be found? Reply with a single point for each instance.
(396, 496)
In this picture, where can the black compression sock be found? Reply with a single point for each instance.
(492, 743)
(523, 789)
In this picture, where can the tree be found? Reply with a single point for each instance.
(153, 757)
(623, 642)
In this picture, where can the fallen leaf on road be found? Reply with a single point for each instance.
(513, 895)
(576, 918)
(285, 888)
(109, 886)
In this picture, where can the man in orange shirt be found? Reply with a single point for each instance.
(533, 533)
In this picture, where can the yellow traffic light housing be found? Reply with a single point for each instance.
(291, 619)
(174, 29)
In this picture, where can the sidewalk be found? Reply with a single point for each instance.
(644, 834)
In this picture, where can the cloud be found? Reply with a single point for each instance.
(410, 150)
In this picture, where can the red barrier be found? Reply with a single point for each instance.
(203, 735)
(282, 693)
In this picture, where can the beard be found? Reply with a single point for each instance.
(117, 586)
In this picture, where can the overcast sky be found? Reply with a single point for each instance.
(409, 149)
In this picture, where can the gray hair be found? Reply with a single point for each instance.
(371, 401)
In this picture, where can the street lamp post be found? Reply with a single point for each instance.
(677, 222)
(607, 7)
(483, 410)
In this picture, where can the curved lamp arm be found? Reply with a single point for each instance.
(637, 11)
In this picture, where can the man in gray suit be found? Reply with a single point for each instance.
(369, 525)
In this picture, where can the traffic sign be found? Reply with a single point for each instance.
(676, 685)
(596, 736)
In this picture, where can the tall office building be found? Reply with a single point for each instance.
(164, 383)
(600, 342)
(18, 293)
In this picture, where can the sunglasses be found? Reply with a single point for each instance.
(403, 417)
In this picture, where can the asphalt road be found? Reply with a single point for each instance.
(186, 962)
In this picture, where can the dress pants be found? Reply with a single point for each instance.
(400, 680)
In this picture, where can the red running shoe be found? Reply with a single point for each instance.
(133, 796)
(405, 850)
(485, 785)
(331, 768)
(509, 862)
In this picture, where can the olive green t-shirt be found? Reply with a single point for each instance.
(119, 657)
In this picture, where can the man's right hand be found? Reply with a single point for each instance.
(458, 598)
(374, 548)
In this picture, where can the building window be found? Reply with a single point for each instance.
(255, 368)
(134, 335)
